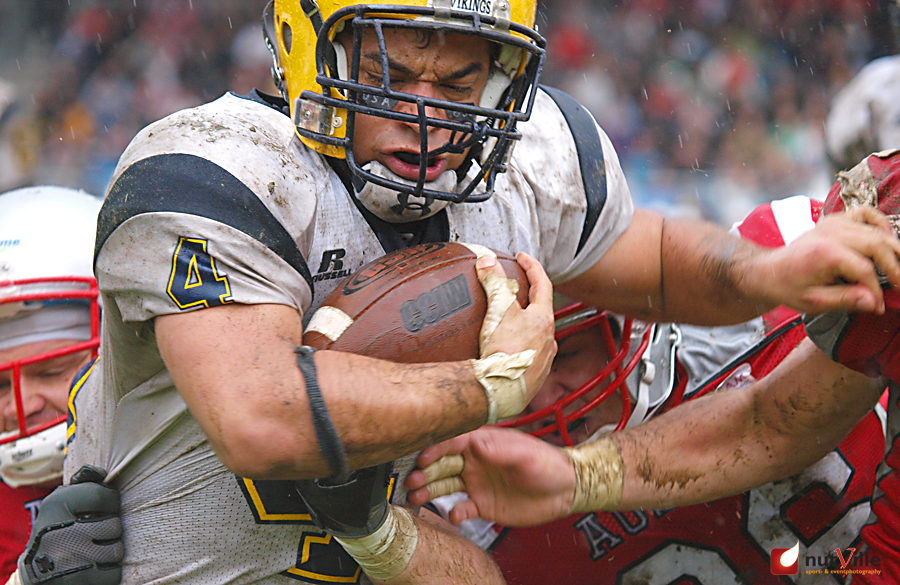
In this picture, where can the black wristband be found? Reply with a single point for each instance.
(329, 441)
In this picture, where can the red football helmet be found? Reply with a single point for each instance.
(639, 375)
(49, 309)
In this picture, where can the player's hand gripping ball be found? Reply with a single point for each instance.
(420, 304)
(865, 342)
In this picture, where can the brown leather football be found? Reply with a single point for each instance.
(419, 304)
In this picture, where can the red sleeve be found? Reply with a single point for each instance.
(17, 507)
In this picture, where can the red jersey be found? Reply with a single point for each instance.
(721, 542)
(18, 507)
(728, 541)
(881, 535)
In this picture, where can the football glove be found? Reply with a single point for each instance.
(76, 538)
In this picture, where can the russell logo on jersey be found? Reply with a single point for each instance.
(332, 266)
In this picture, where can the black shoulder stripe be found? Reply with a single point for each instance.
(184, 183)
(590, 157)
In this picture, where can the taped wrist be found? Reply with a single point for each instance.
(385, 553)
(501, 294)
(327, 436)
(599, 476)
(502, 377)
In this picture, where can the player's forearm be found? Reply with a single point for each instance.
(406, 407)
(271, 412)
(444, 557)
(659, 268)
(730, 442)
(379, 410)
(249, 395)
(702, 261)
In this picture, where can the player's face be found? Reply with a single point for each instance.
(450, 67)
(44, 384)
(579, 358)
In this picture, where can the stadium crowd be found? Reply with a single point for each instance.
(714, 105)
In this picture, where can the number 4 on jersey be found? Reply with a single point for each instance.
(194, 281)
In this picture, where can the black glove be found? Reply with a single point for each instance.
(76, 538)
(349, 509)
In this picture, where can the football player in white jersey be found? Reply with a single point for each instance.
(49, 330)
(226, 225)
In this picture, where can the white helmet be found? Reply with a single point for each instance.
(47, 292)
(865, 115)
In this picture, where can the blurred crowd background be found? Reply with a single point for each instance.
(713, 105)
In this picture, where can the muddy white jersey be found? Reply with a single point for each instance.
(222, 204)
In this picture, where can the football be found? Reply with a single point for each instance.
(419, 304)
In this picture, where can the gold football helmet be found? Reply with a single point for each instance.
(320, 81)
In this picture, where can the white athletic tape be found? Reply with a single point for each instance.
(330, 322)
(479, 250)
(501, 376)
(501, 294)
(442, 476)
(446, 466)
(385, 553)
(599, 475)
(445, 487)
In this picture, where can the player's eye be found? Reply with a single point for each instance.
(371, 78)
(457, 92)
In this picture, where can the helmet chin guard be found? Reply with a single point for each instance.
(396, 207)
(35, 459)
